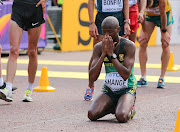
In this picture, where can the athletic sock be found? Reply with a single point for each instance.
(143, 77)
(30, 86)
(161, 78)
(1, 81)
(9, 86)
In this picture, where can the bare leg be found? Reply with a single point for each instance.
(132, 36)
(100, 107)
(0, 62)
(143, 47)
(15, 34)
(124, 107)
(165, 54)
(33, 38)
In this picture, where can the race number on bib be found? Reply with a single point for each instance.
(115, 82)
(112, 5)
(154, 10)
(132, 2)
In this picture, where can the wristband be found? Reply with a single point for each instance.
(127, 21)
(91, 23)
(164, 30)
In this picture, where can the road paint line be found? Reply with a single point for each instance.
(77, 63)
(84, 75)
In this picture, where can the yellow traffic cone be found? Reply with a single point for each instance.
(171, 66)
(44, 82)
(177, 126)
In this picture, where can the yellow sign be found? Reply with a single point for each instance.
(75, 26)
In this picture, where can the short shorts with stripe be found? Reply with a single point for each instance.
(100, 17)
(157, 19)
(117, 94)
(27, 15)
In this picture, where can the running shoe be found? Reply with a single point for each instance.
(6, 95)
(142, 82)
(27, 97)
(89, 93)
(14, 89)
(161, 83)
(133, 112)
(4, 85)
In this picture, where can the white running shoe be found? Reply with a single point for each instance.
(6, 94)
(27, 97)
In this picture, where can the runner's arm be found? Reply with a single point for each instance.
(165, 36)
(142, 8)
(162, 9)
(93, 32)
(125, 69)
(126, 17)
(43, 4)
(97, 62)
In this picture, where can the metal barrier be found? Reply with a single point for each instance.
(55, 15)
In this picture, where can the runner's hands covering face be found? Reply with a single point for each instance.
(110, 45)
(165, 39)
(104, 44)
(43, 4)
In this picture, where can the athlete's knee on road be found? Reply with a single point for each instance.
(32, 53)
(93, 115)
(122, 116)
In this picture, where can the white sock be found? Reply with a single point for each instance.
(9, 86)
(30, 86)
(1, 81)
(143, 77)
(161, 78)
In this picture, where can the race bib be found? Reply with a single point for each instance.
(154, 10)
(115, 82)
(132, 2)
(112, 5)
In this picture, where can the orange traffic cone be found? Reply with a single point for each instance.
(171, 66)
(44, 82)
(177, 126)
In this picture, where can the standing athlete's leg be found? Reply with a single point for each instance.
(33, 38)
(165, 54)
(144, 38)
(15, 34)
(132, 36)
(164, 59)
(124, 107)
(100, 107)
(1, 78)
